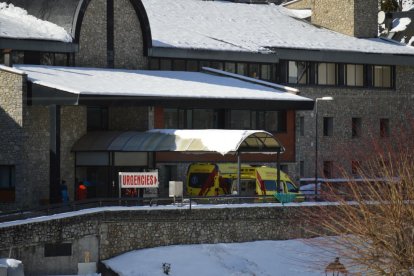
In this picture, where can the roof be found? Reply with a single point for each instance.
(222, 141)
(227, 26)
(16, 23)
(158, 85)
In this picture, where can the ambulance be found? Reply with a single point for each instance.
(210, 179)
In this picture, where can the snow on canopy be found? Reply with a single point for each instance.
(16, 23)
(222, 25)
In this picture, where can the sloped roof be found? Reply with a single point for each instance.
(157, 85)
(228, 26)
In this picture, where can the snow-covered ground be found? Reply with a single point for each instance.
(290, 257)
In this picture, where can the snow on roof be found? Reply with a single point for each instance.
(400, 24)
(16, 23)
(222, 25)
(144, 83)
(301, 14)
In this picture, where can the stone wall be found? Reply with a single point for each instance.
(12, 86)
(93, 37)
(370, 105)
(351, 17)
(128, 40)
(107, 234)
(129, 46)
(73, 127)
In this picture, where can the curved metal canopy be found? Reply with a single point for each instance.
(222, 141)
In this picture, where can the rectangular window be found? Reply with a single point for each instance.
(154, 64)
(382, 76)
(327, 126)
(265, 73)
(327, 169)
(179, 65)
(204, 63)
(217, 65)
(97, 118)
(203, 118)
(7, 177)
(297, 72)
(173, 118)
(302, 126)
(242, 69)
(326, 74)
(272, 121)
(240, 119)
(384, 128)
(354, 75)
(355, 167)
(356, 127)
(254, 70)
(165, 64)
(230, 67)
(57, 250)
(192, 65)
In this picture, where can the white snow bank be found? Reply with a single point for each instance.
(411, 41)
(15, 22)
(400, 24)
(291, 257)
(301, 14)
(407, 5)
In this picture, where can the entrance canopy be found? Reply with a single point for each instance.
(222, 141)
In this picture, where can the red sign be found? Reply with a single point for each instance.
(138, 179)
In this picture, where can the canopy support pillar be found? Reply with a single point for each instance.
(238, 173)
(278, 170)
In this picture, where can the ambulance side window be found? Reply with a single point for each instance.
(291, 188)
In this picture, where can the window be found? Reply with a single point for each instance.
(204, 63)
(192, 65)
(273, 121)
(217, 65)
(326, 73)
(179, 65)
(265, 73)
(254, 70)
(7, 177)
(327, 169)
(270, 185)
(382, 76)
(56, 250)
(302, 126)
(302, 168)
(291, 188)
(230, 67)
(384, 127)
(97, 118)
(327, 126)
(242, 69)
(154, 64)
(240, 119)
(173, 118)
(202, 119)
(165, 64)
(356, 127)
(354, 75)
(297, 72)
(355, 167)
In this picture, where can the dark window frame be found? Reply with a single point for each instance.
(11, 175)
(356, 127)
(328, 169)
(385, 128)
(328, 126)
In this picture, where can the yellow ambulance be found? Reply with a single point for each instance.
(209, 179)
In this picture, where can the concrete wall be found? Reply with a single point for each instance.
(109, 233)
(351, 17)
(368, 104)
(128, 40)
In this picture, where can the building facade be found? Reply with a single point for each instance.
(362, 76)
